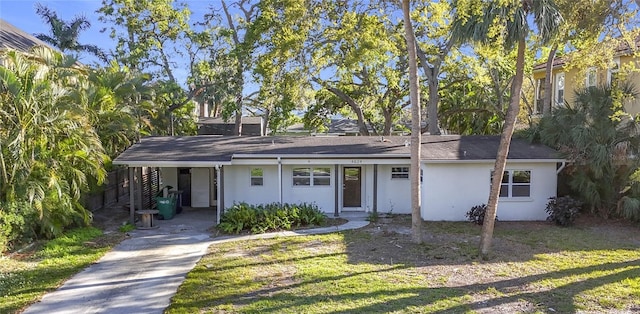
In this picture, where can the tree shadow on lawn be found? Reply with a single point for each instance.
(554, 281)
(561, 298)
(456, 243)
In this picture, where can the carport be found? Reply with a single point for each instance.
(176, 153)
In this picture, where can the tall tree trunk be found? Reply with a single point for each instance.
(239, 79)
(388, 121)
(414, 95)
(548, 99)
(362, 126)
(503, 151)
(432, 74)
(265, 125)
(432, 105)
(237, 129)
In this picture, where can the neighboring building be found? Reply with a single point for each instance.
(351, 173)
(565, 82)
(251, 126)
(340, 127)
(14, 38)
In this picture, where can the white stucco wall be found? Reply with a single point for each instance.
(237, 185)
(200, 180)
(169, 176)
(394, 195)
(450, 190)
(323, 196)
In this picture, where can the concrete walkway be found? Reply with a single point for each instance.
(142, 273)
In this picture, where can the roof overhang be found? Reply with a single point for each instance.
(171, 163)
(476, 161)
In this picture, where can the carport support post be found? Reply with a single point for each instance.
(131, 197)
(375, 189)
(218, 189)
(336, 213)
(139, 186)
(221, 195)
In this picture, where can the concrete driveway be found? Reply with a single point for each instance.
(142, 273)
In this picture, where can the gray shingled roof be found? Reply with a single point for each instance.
(12, 37)
(222, 149)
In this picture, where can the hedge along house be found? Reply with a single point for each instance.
(339, 174)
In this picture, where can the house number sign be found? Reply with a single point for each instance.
(356, 161)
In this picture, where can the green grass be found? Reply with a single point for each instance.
(26, 279)
(534, 268)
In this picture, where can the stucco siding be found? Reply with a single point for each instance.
(450, 190)
(238, 188)
(169, 176)
(323, 196)
(394, 194)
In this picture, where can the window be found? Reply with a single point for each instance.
(257, 178)
(515, 183)
(539, 96)
(311, 176)
(612, 74)
(322, 176)
(560, 89)
(592, 77)
(399, 172)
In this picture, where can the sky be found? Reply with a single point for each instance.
(22, 14)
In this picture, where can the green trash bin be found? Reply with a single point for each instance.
(166, 207)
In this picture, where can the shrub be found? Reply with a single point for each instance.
(18, 221)
(563, 210)
(269, 217)
(476, 214)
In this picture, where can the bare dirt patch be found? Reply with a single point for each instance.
(448, 256)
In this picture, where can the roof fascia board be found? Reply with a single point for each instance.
(321, 161)
(321, 156)
(352, 161)
(171, 164)
(475, 161)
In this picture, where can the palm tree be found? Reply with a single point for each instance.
(48, 148)
(64, 34)
(507, 22)
(113, 97)
(601, 140)
(414, 91)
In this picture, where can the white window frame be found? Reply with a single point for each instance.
(591, 71)
(400, 173)
(539, 98)
(256, 180)
(314, 177)
(613, 70)
(560, 85)
(509, 184)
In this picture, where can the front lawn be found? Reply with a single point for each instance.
(26, 277)
(535, 267)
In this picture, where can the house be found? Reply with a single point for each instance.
(251, 126)
(566, 80)
(336, 126)
(350, 173)
(14, 38)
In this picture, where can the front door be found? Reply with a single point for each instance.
(352, 188)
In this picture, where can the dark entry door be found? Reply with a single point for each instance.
(184, 185)
(352, 191)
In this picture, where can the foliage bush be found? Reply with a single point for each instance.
(563, 210)
(18, 224)
(269, 217)
(476, 214)
(600, 139)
